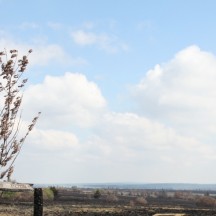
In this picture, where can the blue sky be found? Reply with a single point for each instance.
(126, 89)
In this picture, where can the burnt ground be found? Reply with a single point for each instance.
(114, 203)
(64, 209)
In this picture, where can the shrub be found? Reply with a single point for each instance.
(25, 196)
(141, 201)
(8, 195)
(112, 198)
(48, 194)
(55, 191)
(206, 201)
(97, 194)
(17, 196)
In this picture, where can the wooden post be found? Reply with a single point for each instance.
(38, 202)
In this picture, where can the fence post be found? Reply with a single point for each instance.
(38, 202)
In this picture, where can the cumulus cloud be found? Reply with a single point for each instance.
(175, 123)
(135, 135)
(103, 41)
(124, 145)
(68, 99)
(181, 92)
(53, 140)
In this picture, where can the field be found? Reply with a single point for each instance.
(116, 202)
(63, 209)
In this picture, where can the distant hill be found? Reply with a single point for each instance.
(156, 186)
(165, 186)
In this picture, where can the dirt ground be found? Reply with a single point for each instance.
(63, 209)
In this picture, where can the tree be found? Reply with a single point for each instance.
(11, 94)
(97, 194)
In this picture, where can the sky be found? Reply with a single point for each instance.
(126, 89)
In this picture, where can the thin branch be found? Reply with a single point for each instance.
(11, 85)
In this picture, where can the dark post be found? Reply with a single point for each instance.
(38, 202)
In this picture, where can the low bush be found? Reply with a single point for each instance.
(141, 201)
(112, 198)
(17, 196)
(206, 201)
(48, 194)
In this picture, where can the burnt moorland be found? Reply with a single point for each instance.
(111, 201)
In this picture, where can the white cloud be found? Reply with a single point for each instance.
(136, 135)
(69, 99)
(53, 140)
(84, 38)
(123, 146)
(103, 41)
(42, 54)
(173, 132)
(182, 93)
